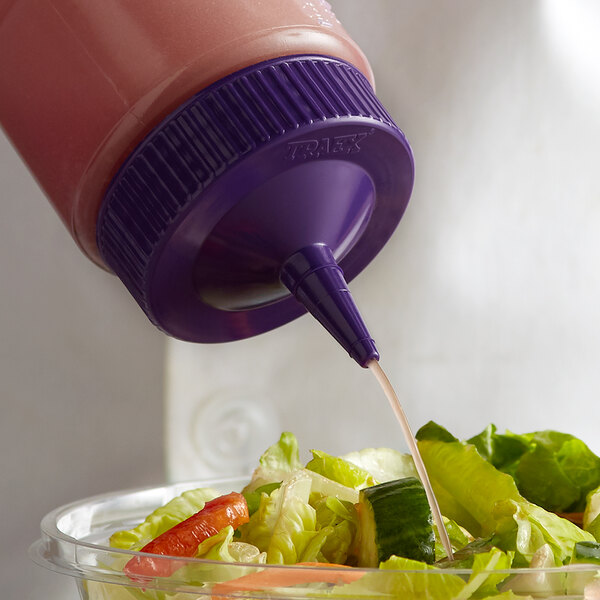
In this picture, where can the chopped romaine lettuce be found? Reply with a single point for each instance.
(277, 462)
(525, 527)
(502, 450)
(327, 487)
(340, 470)
(405, 578)
(384, 464)
(400, 577)
(459, 538)
(541, 479)
(467, 487)
(284, 523)
(486, 501)
(551, 469)
(464, 557)
(308, 515)
(544, 582)
(340, 520)
(434, 432)
(558, 471)
(221, 547)
(591, 515)
(253, 498)
(483, 581)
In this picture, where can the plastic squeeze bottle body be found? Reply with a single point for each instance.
(215, 155)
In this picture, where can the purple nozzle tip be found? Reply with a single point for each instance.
(317, 281)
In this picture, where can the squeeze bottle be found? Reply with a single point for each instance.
(224, 158)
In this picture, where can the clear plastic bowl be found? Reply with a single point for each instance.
(74, 542)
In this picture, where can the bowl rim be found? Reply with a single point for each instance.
(64, 553)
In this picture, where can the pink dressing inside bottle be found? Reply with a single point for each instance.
(81, 83)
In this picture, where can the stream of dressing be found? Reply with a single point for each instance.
(390, 394)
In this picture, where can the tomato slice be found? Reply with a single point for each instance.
(183, 539)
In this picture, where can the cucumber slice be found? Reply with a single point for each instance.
(395, 519)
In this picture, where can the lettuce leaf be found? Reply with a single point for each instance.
(591, 515)
(525, 527)
(221, 547)
(176, 510)
(417, 581)
(338, 543)
(551, 469)
(276, 463)
(467, 487)
(508, 595)
(327, 487)
(384, 464)
(486, 502)
(594, 528)
(340, 521)
(309, 518)
(488, 570)
(459, 538)
(285, 523)
(541, 480)
(543, 583)
(483, 581)
(313, 552)
(434, 432)
(340, 470)
(502, 450)
(253, 498)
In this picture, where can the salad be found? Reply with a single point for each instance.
(522, 513)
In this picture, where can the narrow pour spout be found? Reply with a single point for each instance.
(316, 280)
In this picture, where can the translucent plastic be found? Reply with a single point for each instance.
(81, 83)
(74, 540)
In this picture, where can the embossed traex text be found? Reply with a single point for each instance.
(326, 146)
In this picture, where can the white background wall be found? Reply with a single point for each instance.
(484, 304)
(80, 381)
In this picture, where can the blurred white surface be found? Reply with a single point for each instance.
(484, 304)
(80, 381)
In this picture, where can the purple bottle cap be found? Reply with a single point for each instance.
(289, 154)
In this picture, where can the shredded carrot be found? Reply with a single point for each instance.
(274, 577)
